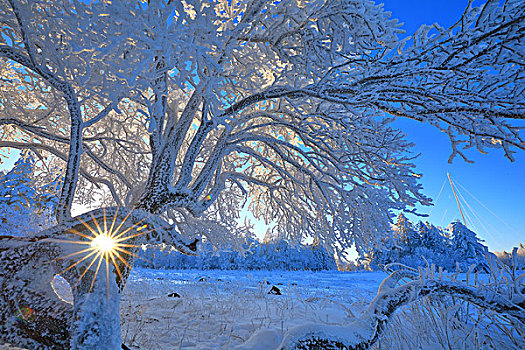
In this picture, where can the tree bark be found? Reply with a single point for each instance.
(31, 314)
(96, 320)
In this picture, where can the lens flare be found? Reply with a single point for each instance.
(104, 244)
(25, 314)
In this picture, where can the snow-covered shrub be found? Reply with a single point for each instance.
(26, 205)
(353, 265)
(516, 258)
(422, 255)
(448, 322)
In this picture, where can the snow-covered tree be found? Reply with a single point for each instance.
(465, 244)
(191, 105)
(184, 109)
(324, 260)
(26, 206)
(431, 237)
(272, 255)
(405, 233)
(425, 244)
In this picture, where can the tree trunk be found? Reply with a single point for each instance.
(96, 319)
(34, 317)
(31, 314)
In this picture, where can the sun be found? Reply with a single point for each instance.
(105, 244)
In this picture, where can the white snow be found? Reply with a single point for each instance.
(232, 309)
(228, 307)
(218, 309)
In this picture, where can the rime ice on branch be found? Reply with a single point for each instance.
(196, 108)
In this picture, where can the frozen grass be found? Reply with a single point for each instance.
(222, 309)
(449, 323)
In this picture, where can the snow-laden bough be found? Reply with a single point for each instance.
(365, 330)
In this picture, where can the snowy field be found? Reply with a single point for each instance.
(217, 309)
(221, 309)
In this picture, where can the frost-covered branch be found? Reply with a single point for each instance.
(292, 95)
(34, 146)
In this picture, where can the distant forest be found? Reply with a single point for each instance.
(26, 206)
(273, 255)
(408, 244)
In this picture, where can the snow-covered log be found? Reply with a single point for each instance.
(366, 329)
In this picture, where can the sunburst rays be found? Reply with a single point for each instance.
(106, 244)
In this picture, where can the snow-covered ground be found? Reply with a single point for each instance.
(222, 309)
(219, 309)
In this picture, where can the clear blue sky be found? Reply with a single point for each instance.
(492, 180)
